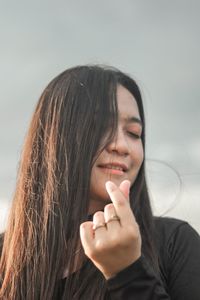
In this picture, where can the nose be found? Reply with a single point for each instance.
(119, 145)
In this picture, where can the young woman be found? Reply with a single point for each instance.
(81, 225)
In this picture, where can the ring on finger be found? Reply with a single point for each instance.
(97, 226)
(113, 218)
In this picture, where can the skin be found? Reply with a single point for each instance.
(125, 149)
(116, 245)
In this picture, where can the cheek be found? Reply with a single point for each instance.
(137, 154)
(141, 154)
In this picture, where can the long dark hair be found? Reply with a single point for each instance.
(52, 193)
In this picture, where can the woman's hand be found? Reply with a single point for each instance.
(112, 241)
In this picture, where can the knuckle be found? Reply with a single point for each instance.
(84, 226)
(109, 207)
(121, 202)
(98, 214)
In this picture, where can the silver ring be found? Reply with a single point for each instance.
(113, 218)
(97, 226)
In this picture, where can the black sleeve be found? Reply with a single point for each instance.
(182, 257)
(138, 281)
(184, 264)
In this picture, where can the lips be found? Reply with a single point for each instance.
(114, 166)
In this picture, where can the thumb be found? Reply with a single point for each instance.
(125, 188)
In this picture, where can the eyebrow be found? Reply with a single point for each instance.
(134, 120)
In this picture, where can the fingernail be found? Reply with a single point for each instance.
(128, 183)
(110, 186)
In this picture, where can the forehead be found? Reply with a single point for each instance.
(127, 105)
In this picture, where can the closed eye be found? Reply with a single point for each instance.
(134, 135)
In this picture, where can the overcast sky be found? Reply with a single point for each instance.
(157, 42)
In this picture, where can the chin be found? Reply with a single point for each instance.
(98, 200)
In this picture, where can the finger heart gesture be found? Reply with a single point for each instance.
(112, 241)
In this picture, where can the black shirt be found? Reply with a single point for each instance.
(178, 245)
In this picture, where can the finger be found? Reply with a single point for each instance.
(99, 225)
(110, 218)
(87, 236)
(125, 188)
(120, 203)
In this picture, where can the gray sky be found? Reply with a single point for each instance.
(157, 42)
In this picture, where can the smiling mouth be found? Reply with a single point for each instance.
(115, 169)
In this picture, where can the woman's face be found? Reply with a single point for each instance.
(122, 158)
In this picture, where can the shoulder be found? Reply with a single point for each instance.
(176, 241)
(178, 246)
(171, 231)
(167, 228)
